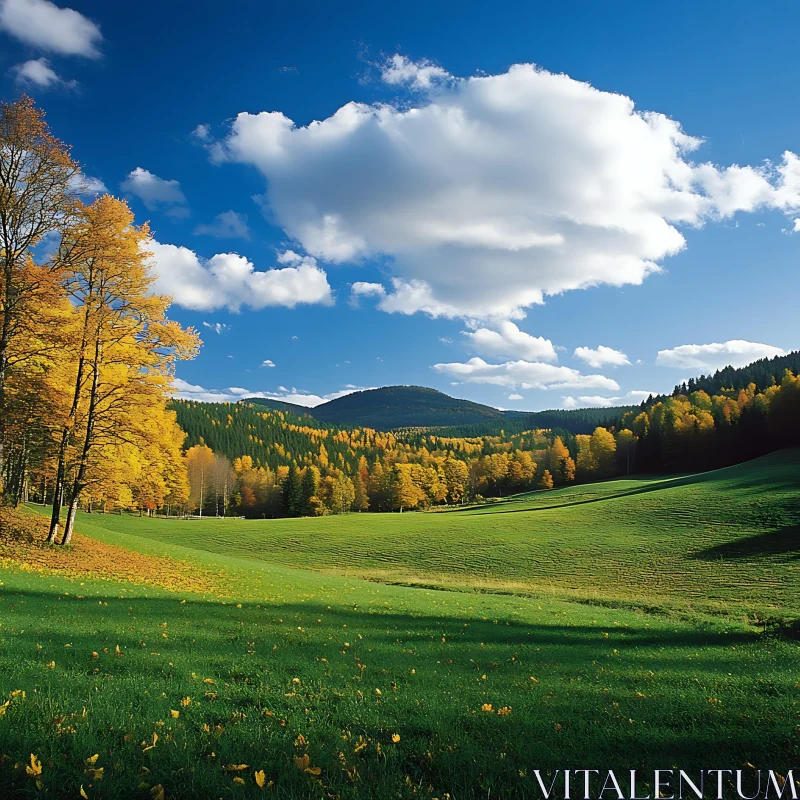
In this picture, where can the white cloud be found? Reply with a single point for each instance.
(267, 363)
(602, 356)
(734, 353)
(525, 375)
(217, 327)
(363, 289)
(227, 225)
(44, 25)
(515, 397)
(188, 391)
(228, 280)
(399, 70)
(156, 193)
(796, 228)
(596, 401)
(495, 191)
(87, 186)
(509, 341)
(39, 74)
(202, 133)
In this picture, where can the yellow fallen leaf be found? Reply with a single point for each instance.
(395, 737)
(174, 714)
(259, 777)
(35, 769)
(92, 760)
(83, 793)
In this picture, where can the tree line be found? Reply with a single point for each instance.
(87, 352)
(284, 465)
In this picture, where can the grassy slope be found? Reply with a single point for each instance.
(614, 687)
(727, 538)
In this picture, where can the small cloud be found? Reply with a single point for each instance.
(38, 74)
(217, 327)
(601, 357)
(515, 397)
(364, 289)
(267, 363)
(295, 337)
(287, 69)
(156, 193)
(445, 340)
(734, 353)
(399, 70)
(227, 225)
(44, 25)
(86, 186)
(202, 132)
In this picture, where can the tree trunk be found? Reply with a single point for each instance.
(73, 507)
(55, 520)
(78, 484)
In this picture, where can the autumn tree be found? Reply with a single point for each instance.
(200, 463)
(127, 347)
(38, 189)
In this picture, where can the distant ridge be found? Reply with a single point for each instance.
(392, 407)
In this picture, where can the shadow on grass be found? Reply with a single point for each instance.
(585, 710)
(780, 542)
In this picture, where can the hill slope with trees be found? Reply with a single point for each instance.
(394, 407)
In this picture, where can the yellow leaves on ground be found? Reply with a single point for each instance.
(186, 701)
(259, 778)
(22, 544)
(35, 768)
(487, 707)
(395, 737)
(174, 714)
(303, 763)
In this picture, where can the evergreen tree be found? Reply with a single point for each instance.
(292, 494)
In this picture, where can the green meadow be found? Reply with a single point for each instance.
(628, 624)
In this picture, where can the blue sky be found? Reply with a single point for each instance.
(522, 237)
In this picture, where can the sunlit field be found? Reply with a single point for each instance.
(608, 630)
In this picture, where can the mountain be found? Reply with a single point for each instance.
(280, 405)
(392, 407)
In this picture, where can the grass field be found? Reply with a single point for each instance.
(725, 541)
(630, 644)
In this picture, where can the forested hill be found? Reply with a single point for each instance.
(763, 373)
(393, 407)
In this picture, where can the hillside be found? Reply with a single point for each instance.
(726, 539)
(763, 373)
(392, 407)
(291, 679)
